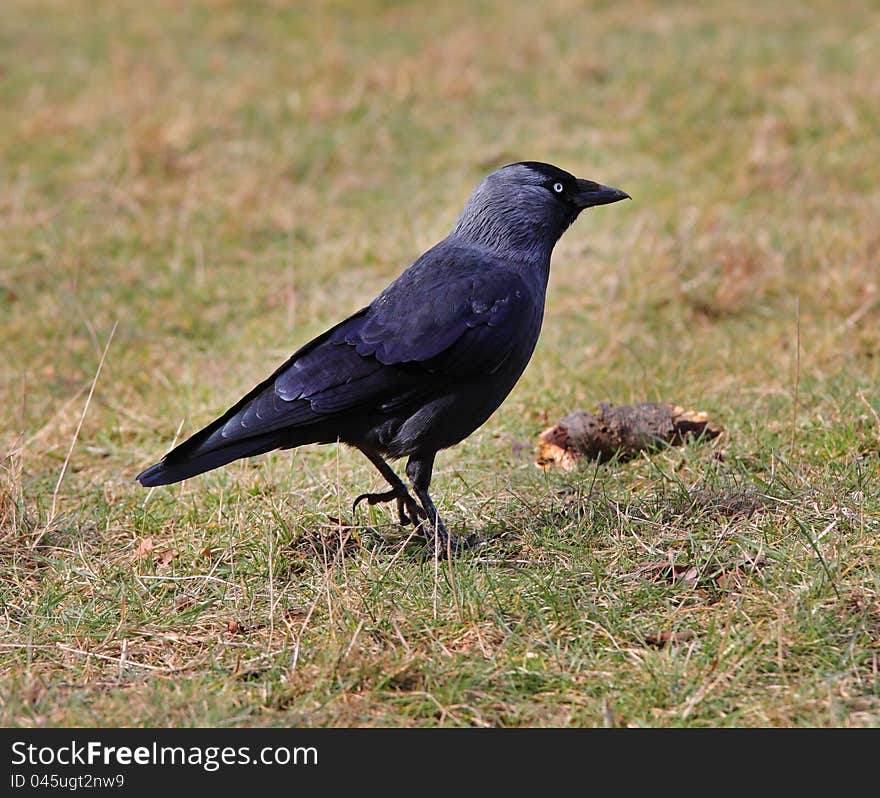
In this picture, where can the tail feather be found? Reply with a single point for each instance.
(264, 419)
(175, 466)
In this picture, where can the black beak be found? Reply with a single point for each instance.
(590, 194)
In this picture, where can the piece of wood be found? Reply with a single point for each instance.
(625, 432)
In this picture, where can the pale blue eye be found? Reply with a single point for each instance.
(557, 187)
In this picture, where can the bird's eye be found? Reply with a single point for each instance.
(558, 187)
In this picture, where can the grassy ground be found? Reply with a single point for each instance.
(222, 180)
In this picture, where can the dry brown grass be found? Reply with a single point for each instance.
(224, 179)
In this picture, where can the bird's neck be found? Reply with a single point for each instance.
(518, 246)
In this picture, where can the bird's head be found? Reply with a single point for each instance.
(522, 209)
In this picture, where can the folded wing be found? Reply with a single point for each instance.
(445, 319)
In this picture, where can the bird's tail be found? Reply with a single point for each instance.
(182, 463)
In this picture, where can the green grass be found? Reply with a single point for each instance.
(225, 179)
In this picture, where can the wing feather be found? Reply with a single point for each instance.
(449, 316)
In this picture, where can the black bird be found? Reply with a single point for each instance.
(426, 362)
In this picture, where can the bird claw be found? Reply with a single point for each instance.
(468, 543)
(412, 513)
(447, 543)
(441, 541)
(374, 498)
(387, 496)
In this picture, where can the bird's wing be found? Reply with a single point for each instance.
(418, 334)
(457, 322)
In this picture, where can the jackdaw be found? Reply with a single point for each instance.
(426, 362)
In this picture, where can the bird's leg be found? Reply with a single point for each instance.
(419, 471)
(407, 507)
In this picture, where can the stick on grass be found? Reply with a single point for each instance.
(76, 435)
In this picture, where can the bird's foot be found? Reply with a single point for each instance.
(441, 542)
(408, 511)
(467, 543)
